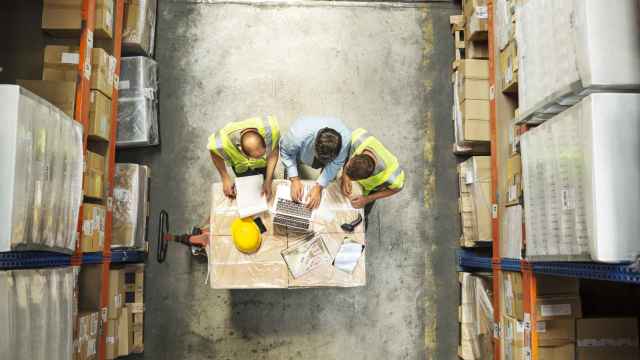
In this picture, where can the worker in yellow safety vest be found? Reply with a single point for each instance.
(250, 147)
(372, 166)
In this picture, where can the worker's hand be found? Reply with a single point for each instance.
(314, 197)
(345, 183)
(229, 188)
(358, 202)
(266, 190)
(296, 189)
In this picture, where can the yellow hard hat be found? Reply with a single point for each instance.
(246, 235)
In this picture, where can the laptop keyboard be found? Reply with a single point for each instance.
(292, 208)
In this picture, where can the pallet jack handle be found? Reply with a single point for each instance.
(197, 239)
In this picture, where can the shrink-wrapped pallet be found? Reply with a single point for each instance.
(475, 317)
(41, 155)
(474, 177)
(36, 310)
(138, 102)
(139, 28)
(131, 197)
(568, 49)
(581, 170)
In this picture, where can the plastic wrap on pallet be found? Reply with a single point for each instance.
(36, 310)
(580, 170)
(511, 245)
(138, 33)
(41, 155)
(475, 200)
(565, 52)
(130, 206)
(476, 317)
(504, 24)
(138, 103)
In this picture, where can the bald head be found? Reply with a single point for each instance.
(253, 144)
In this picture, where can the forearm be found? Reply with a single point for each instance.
(219, 164)
(272, 161)
(382, 194)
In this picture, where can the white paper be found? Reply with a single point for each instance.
(70, 58)
(250, 200)
(348, 256)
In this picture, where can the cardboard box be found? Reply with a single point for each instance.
(62, 94)
(608, 338)
(555, 307)
(476, 26)
(509, 68)
(63, 18)
(474, 69)
(111, 349)
(475, 191)
(102, 71)
(116, 293)
(563, 352)
(60, 63)
(476, 130)
(557, 286)
(136, 311)
(93, 223)
(475, 109)
(93, 184)
(556, 332)
(138, 31)
(125, 332)
(95, 161)
(88, 328)
(473, 89)
(512, 301)
(512, 338)
(476, 49)
(514, 180)
(99, 117)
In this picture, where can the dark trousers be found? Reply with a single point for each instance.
(251, 172)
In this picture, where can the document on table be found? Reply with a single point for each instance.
(250, 200)
(307, 255)
(348, 256)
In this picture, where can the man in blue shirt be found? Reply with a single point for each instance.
(320, 142)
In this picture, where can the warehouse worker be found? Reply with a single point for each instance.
(320, 142)
(372, 166)
(250, 147)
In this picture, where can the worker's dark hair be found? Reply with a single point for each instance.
(328, 144)
(360, 167)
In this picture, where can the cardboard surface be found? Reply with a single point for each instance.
(93, 223)
(116, 293)
(474, 69)
(99, 116)
(555, 307)
(512, 296)
(473, 89)
(513, 190)
(229, 268)
(608, 338)
(125, 332)
(563, 352)
(63, 18)
(62, 94)
(111, 350)
(556, 332)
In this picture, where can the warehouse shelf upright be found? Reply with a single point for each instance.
(103, 258)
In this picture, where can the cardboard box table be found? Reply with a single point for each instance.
(231, 269)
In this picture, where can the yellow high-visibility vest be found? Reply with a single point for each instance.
(221, 144)
(392, 176)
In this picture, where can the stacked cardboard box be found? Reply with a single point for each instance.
(509, 68)
(476, 16)
(475, 315)
(134, 301)
(92, 239)
(557, 309)
(475, 200)
(64, 18)
(471, 107)
(94, 175)
(88, 330)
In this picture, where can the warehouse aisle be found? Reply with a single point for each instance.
(380, 67)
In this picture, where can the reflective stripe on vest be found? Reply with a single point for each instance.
(392, 175)
(269, 131)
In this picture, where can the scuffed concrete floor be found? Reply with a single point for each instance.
(382, 67)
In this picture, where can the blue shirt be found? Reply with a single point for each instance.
(299, 144)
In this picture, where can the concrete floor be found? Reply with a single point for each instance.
(377, 66)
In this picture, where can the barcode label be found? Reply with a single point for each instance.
(70, 58)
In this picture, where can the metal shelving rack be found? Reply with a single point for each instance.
(470, 261)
